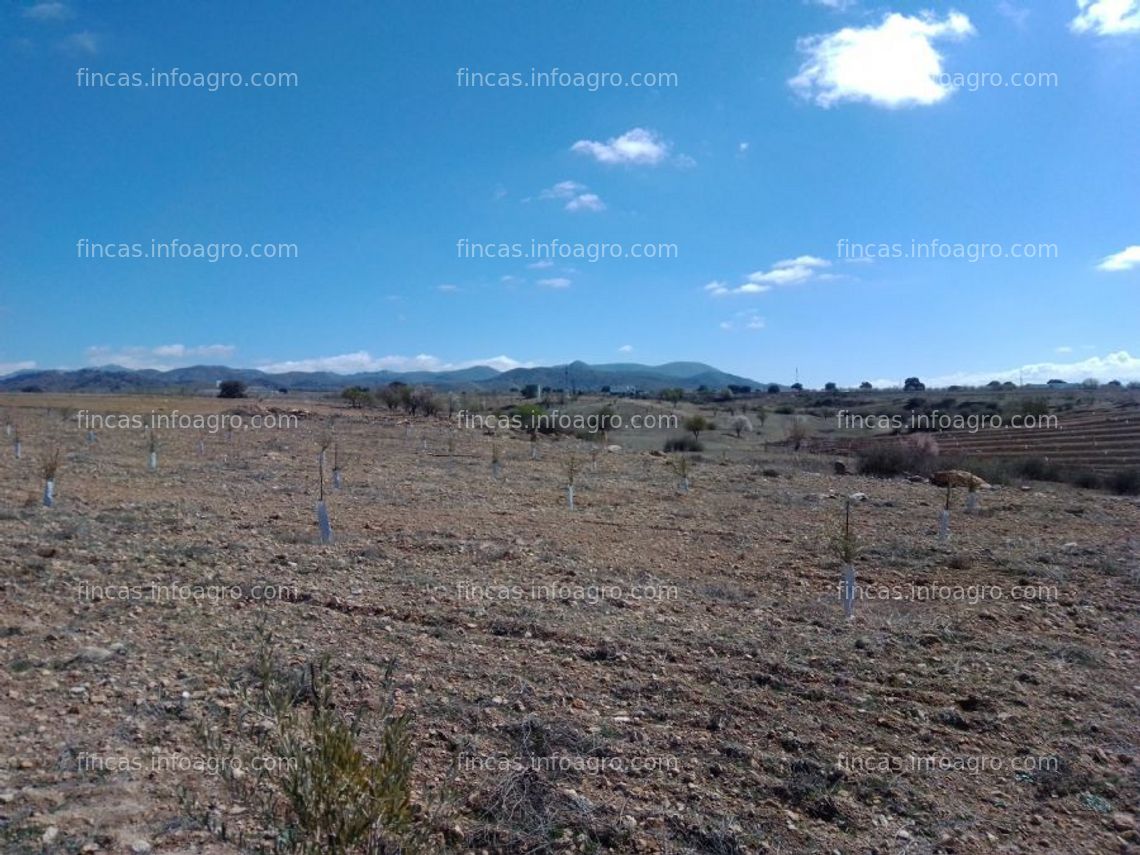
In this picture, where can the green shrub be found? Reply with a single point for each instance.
(683, 443)
(326, 793)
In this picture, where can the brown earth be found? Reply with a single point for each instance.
(776, 724)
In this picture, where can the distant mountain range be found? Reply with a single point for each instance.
(577, 376)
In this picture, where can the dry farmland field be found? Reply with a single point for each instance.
(186, 667)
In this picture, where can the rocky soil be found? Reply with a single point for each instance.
(683, 657)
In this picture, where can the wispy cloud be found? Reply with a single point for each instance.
(1018, 14)
(1107, 17)
(892, 65)
(555, 282)
(746, 321)
(162, 358)
(541, 265)
(85, 42)
(636, 147)
(363, 361)
(626, 348)
(7, 368)
(789, 271)
(1126, 259)
(574, 195)
(447, 288)
(48, 11)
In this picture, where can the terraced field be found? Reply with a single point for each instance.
(1100, 442)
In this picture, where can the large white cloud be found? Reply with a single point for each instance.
(1126, 259)
(893, 64)
(1107, 17)
(1115, 366)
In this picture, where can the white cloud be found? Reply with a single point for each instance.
(363, 361)
(788, 271)
(541, 265)
(575, 195)
(1064, 348)
(838, 5)
(1107, 17)
(562, 190)
(447, 288)
(48, 11)
(1126, 259)
(161, 358)
(586, 202)
(84, 42)
(1116, 366)
(638, 147)
(511, 280)
(556, 282)
(891, 65)
(7, 368)
(626, 348)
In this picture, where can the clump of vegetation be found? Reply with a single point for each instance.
(231, 389)
(682, 467)
(1039, 469)
(1125, 482)
(846, 544)
(325, 792)
(358, 397)
(49, 468)
(683, 444)
(741, 424)
(892, 459)
(798, 431)
(696, 425)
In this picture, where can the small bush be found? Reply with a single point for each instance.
(1125, 482)
(683, 443)
(1038, 469)
(329, 794)
(889, 460)
(231, 389)
(1085, 478)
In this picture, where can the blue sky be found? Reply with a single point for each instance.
(776, 131)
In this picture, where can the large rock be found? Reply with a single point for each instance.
(958, 478)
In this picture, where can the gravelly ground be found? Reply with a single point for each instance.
(768, 721)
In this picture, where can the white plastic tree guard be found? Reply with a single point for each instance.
(323, 522)
(847, 590)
